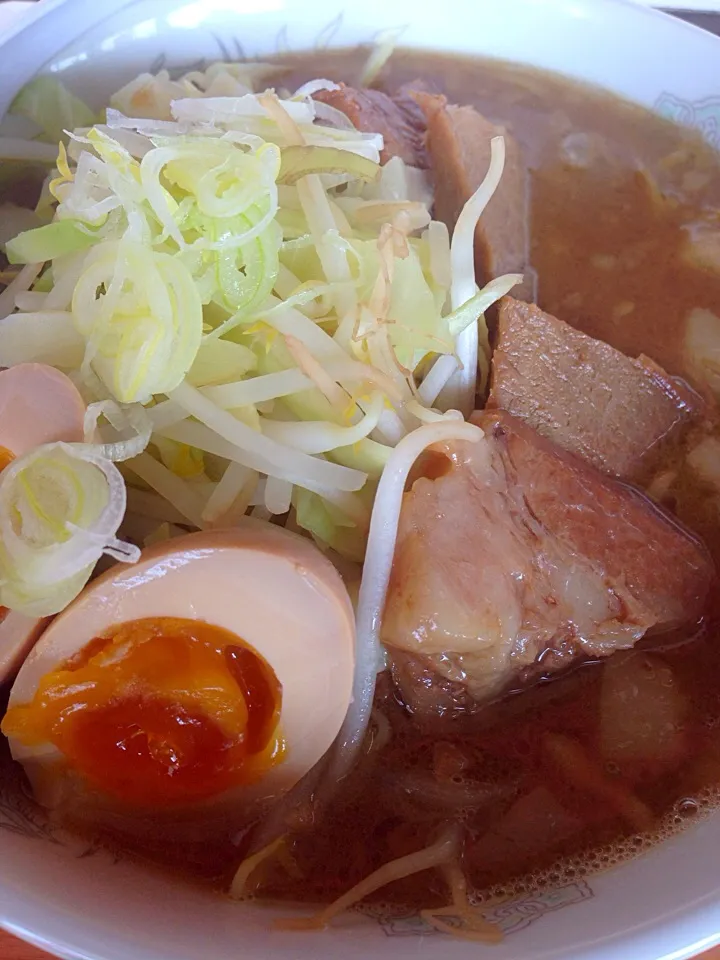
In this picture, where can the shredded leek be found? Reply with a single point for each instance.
(141, 316)
(60, 507)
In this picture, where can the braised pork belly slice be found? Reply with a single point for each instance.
(521, 558)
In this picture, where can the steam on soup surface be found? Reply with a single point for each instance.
(545, 610)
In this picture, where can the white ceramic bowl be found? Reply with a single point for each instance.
(79, 902)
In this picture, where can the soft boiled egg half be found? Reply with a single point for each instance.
(38, 405)
(214, 673)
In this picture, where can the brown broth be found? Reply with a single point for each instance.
(503, 746)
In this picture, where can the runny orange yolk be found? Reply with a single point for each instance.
(6, 457)
(158, 713)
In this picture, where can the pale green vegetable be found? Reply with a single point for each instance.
(468, 312)
(220, 361)
(49, 241)
(52, 107)
(184, 461)
(367, 455)
(298, 161)
(328, 525)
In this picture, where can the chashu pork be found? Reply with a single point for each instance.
(520, 558)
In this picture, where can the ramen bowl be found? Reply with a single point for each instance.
(77, 899)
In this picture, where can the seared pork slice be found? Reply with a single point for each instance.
(522, 558)
(458, 140)
(583, 394)
(399, 119)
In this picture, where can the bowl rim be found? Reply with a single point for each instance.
(45, 14)
(700, 920)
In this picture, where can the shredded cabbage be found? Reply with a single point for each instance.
(49, 241)
(221, 362)
(49, 104)
(299, 160)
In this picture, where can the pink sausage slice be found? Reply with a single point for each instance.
(38, 404)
